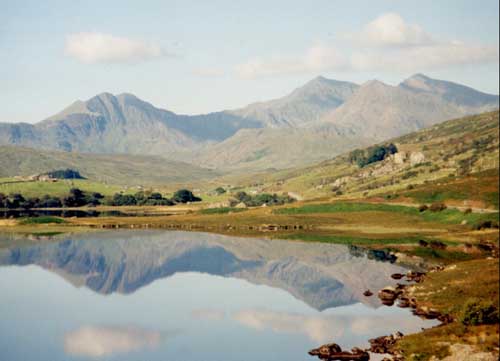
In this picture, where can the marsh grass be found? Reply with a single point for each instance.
(221, 210)
(450, 216)
(42, 220)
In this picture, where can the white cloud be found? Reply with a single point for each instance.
(390, 29)
(319, 57)
(104, 48)
(425, 57)
(323, 328)
(387, 43)
(94, 341)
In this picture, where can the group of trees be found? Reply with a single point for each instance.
(65, 174)
(153, 199)
(75, 198)
(79, 198)
(263, 198)
(371, 155)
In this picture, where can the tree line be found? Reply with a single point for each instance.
(261, 199)
(371, 155)
(79, 198)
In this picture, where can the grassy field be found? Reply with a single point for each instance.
(60, 188)
(448, 291)
(452, 216)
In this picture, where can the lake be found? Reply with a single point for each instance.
(163, 295)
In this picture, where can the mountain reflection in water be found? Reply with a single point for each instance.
(163, 295)
(321, 275)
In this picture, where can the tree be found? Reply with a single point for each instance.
(220, 190)
(65, 174)
(184, 196)
(76, 198)
(15, 201)
(49, 202)
(123, 200)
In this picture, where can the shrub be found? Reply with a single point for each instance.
(372, 155)
(220, 190)
(76, 198)
(409, 174)
(467, 211)
(184, 196)
(478, 312)
(65, 174)
(437, 207)
(485, 225)
(423, 208)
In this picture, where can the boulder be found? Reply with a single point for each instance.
(384, 344)
(332, 352)
(417, 158)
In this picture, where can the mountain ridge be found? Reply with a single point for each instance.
(262, 135)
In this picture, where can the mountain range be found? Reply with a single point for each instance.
(317, 121)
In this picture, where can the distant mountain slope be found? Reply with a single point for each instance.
(111, 168)
(383, 111)
(260, 149)
(317, 121)
(436, 159)
(303, 106)
(122, 124)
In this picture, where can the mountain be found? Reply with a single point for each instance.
(120, 169)
(321, 275)
(260, 149)
(122, 124)
(384, 111)
(454, 161)
(459, 95)
(317, 121)
(303, 106)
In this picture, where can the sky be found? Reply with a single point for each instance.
(195, 57)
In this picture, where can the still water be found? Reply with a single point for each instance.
(180, 296)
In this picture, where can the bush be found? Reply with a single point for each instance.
(123, 200)
(478, 312)
(184, 196)
(76, 198)
(220, 190)
(423, 208)
(485, 225)
(372, 154)
(437, 207)
(65, 174)
(409, 174)
(467, 211)
(263, 198)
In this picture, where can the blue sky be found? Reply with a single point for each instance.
(201, 56)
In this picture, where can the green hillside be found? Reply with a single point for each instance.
(456, 160)
(103, 168)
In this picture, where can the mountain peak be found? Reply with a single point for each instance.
(419, 76)
(374, 83)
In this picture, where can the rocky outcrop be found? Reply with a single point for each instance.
(332, 351)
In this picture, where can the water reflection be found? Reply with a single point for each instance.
(98, 341)
(321, 275)
(159, 295)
